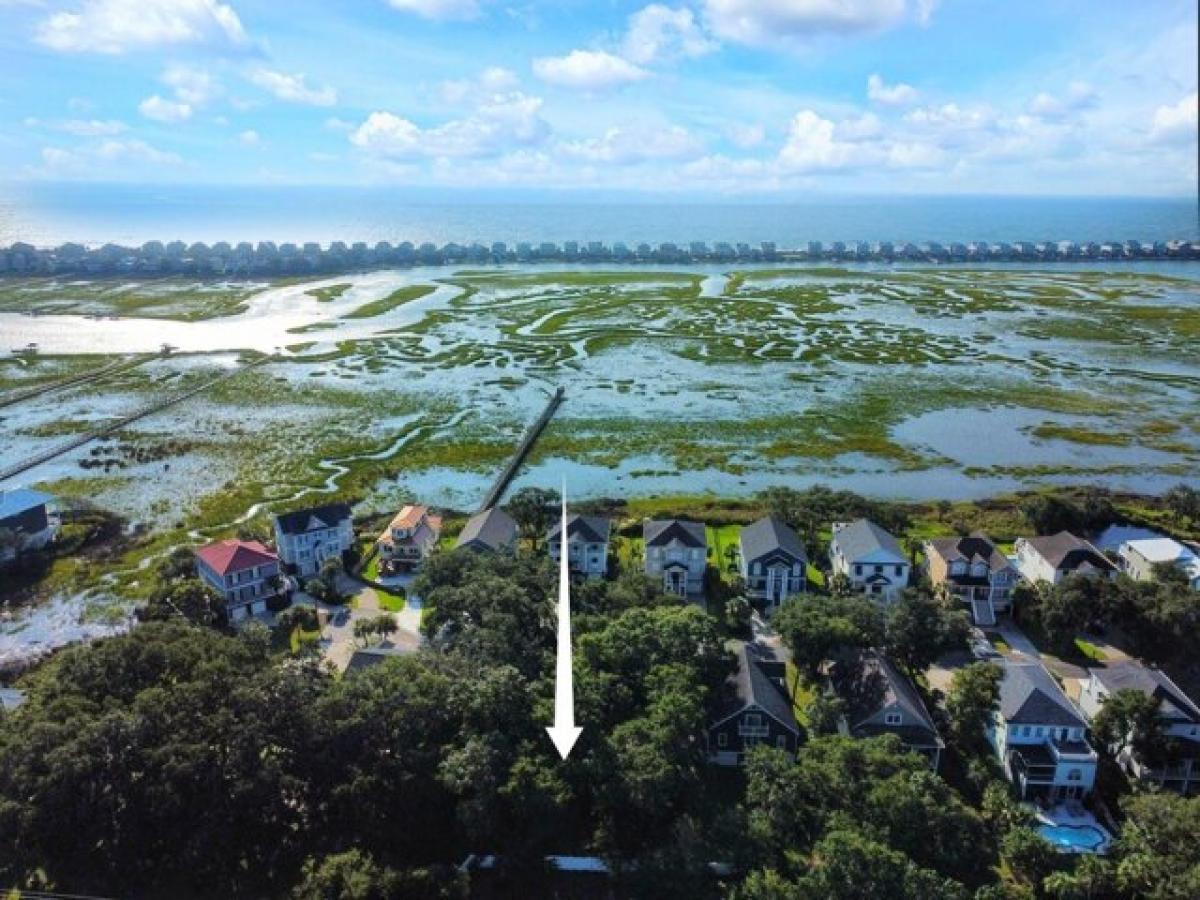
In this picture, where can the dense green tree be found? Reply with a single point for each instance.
(1158, 851)
(973, 696)
(817, 628)
(1029, 855)
(1091, 878)
(353, 875)
(1183, 501)
(1050, 514)
(920, 629)
(1130, 719)
(534, 509)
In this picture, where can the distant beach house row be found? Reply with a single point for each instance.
(266, 258)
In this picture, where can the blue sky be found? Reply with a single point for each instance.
(720, 97)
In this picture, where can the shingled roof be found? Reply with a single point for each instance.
(752, 686)
(660, 532)
(1066, 551)
(493, 528)
(301, 520)
(769, 535)
(1030, 696)
(863, 537)
(875, 685)
(969, 549)
(589, 529)
(1132, 675)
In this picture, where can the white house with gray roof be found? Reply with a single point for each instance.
(773, 562)
(1039, 736)
(676, 554)
(871, 558)
(490, 531)
(1180, 722)
(1138, 559)
(587, 544)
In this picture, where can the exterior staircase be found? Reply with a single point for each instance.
(982, 611)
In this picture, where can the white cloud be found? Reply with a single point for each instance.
(333, 123)
(81, 127)
(116, 26)
(760, 22)
(589, 70)
(496, 125)
(890, 94)
(293, 88)
(1079, 96)
(813, 146)
(1176, 122)
(105, 159)
(439, 9)
(492, 80)
(637, 144)
(160, 109)
(191, 85)
(249, 138)
(657, 32)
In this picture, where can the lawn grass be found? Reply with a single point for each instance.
(721, 540)
(801, 692)
(299, 637)
(1090, 650)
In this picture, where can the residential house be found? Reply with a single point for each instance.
(970, 569)
(755, 710)
(408, 540)
(1109, 541)
(306, 538)
(490, 531)
(870, 557)
(1138, 559)
(880, 699)
(773, 562)
(1055, 557)
(1180, 720)
(244, 573)
(1039, 737)
(24, 516)
(587, 544)
(676, 554)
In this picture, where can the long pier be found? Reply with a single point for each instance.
(500, 485)
(73, 381)
(103, 431)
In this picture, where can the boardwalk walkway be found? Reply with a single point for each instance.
(148, 410)
(500, 485)
(82, 378)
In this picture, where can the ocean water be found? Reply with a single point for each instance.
(49, 214)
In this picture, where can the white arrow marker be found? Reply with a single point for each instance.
(564, 732)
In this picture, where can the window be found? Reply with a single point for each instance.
(754, 720)
(722, 739)
(893, 718)
(1025, 731)
(1038, 731)
(899, 570)
(879, 570)
(858, 570)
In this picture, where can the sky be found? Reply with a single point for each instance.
(710, 97)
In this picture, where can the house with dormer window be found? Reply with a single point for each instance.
(676, 555)
(408, 540)
(971, 570)
(587, 545)
(755, 710)
(871, 558)
(1040, 737)
(880, 699)
(773, 562)
(306, 538)
(1052, 558)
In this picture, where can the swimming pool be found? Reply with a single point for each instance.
(1075, 838)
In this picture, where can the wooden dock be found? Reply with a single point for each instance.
(500, 485)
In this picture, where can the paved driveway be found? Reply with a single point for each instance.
(338, 641)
